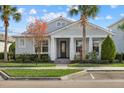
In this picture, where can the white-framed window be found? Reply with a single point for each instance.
(58, 24)
(22, 42)
(96, 46)
(78, 46)
(63, 24)
(45, 46)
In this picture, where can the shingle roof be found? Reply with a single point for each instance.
(10, 39)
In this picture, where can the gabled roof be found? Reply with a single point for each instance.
(122, 19)
(60, 17)
(93, 25)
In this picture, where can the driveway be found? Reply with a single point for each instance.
(98, 75)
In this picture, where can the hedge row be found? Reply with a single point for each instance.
(30, 58)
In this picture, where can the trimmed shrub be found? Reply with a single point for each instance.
(23, 58)
(108, 51)
(92, 55)
(12, 51)
(1, 55)
(45, 58)
(28, 58)
(76, 58)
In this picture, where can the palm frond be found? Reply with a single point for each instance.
(73, 11)
(94, 11)
(0, 8)
(13, 9)
(16, 17)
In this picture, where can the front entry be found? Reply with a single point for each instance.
(62, 48)
(63, 53)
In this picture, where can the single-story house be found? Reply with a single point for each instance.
(10, 41)
(118, 36)
(64, 39)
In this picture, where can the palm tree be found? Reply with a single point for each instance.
(6, 12)
(121, 26)
(85, 12)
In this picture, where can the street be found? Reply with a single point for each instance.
(63, 84)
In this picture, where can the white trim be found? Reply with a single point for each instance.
(101, 28)
(71, 51)
(90, 44)
(77, 36)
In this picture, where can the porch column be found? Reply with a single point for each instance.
(33, 41)
(72, 49)
(53, 52)
(90, 44)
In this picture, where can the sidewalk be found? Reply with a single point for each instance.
(59, 66)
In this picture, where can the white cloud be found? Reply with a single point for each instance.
(97, 18)
(52, 15)
(30, 19)
(21, 10)
(122, 14)
(108, 17)
(114, 6)
(32, 11)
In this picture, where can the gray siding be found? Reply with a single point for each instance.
(28, 46)
(53, 25)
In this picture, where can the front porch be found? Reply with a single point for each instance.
(67, 48)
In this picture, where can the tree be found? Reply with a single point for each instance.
(37, 30)
(85, 11)
(108, 51)
(7, 12)
(12, 50)
(121, 26)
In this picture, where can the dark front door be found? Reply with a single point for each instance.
(63, 49)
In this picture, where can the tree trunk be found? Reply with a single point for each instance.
(84, 42)
(5, 45)
(38, 55)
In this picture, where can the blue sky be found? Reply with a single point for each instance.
(108, 14)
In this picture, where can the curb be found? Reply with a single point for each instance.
(104, 70)
(4, 75)
(73, 74)
(34, 78)
(7, 77)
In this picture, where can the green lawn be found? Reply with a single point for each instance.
(97, 65)
(39, 73)
(26, 65)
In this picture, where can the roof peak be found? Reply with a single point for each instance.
(60, 17)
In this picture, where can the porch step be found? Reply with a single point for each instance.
(62, 61)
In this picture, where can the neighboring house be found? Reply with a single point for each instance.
(64, 39)
(10, 40)
(118, 36)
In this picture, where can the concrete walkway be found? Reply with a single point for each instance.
(66, 67)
